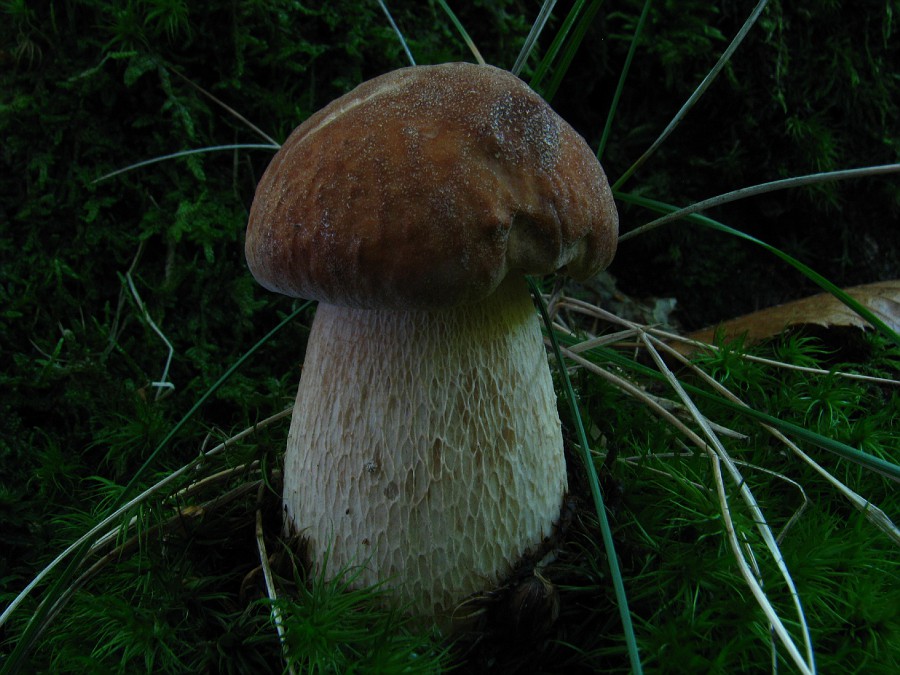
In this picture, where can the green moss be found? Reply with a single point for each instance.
(91, 86)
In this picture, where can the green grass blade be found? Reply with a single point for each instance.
(596, 493)
(561, 35)
(886, 468)
(400, 37)
(604, 138)
(763, 188)
(807, 271)
(698, 92)
(185, 153)
(462, 31)
(536, 29)
(559, 72)
(227, 108)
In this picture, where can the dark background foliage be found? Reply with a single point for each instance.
(91, 86)
(812, 88)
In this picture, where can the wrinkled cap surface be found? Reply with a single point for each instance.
(425, 188)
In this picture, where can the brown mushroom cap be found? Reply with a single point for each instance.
(424, 188)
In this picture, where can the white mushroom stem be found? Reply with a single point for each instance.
(425, 446)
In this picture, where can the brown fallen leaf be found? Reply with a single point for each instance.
(881, 298)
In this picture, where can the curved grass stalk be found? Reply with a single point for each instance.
(705, 346)
(531, 40)
(572, 48)
(757, 574)
(218, 477)
(96, 537)
(698, 92)
(806, 667)
(462, 32)
(807, 271)
(234, 113)
(874, 514)
(604, 340)
(185, 153)
(277, 618)
(596, 493)
(719, 455)
(637, 459)
(399, 34)
(556, 45)
(620, 86)
(885, 468)
(163, 384)
(762, 188)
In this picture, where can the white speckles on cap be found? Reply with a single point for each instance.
(408, 193)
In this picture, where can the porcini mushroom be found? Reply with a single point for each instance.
(425, 445)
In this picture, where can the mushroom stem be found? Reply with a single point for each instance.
(425, 446)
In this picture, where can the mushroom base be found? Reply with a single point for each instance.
(425, 447)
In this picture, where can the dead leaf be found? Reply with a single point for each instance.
(881, 298)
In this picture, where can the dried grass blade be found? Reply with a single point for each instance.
(697, 93)
(874, 514)
(92, 534)
(718, 454)
(277, 618)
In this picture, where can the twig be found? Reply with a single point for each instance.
(163, 384)
(277, 618)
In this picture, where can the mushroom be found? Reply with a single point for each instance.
(425, 445)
